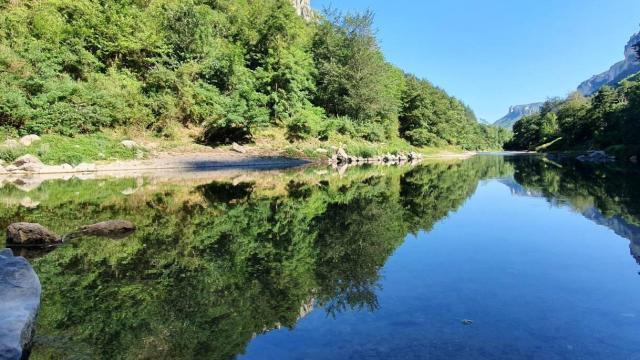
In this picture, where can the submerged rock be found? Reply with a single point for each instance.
(112, 229)
(19, 303)
(596, 157)
(30, 234)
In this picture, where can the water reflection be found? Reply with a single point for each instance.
(606, 194)
(212, 264)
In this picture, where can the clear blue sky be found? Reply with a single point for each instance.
(496, 53)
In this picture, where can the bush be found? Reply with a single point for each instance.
(422, 137)
(306, 123)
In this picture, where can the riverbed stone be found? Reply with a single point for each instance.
(129, 144)
(342, 156)
(238, 148)
(31, 234)
(112, 229)
(29, 139)
(27, 159)
(19, 303)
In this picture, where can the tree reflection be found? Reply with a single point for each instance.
(213, 265)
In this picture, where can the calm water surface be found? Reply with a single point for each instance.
(377, 263)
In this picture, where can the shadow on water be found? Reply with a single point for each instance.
(212, 265)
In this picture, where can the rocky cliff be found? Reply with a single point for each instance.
(618, 72)
(516, 113)
(303, 8)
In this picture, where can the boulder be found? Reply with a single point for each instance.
(30, 234)
(27, 160)
(342, 156)
(29, 139)
(238, 148)
(633, 159)
(112, 229)
(129, 144)
(19, 303)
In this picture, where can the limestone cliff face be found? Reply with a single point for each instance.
(516, 113)
(303, 8)
(618, 72)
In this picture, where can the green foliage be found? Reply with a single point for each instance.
(430, 117)
(58, 149)
(232, 66)
(608, 119)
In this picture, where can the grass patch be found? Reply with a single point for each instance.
(57, 149)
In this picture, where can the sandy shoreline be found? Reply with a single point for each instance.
(194, 162)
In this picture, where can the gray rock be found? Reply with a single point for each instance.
(129, 144)
(29, 139)
(633, 159)
(342, 156)
(30, 234)
(112, 229)
(238, 148)
(25, 160)
(19, 303)
(303, 8)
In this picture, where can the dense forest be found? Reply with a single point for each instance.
(610, 119)
(229, 66)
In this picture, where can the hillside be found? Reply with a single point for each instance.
(224, 71)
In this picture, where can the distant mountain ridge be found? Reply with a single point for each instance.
(516, 113)
(618, 72)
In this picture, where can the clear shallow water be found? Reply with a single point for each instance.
(375, 264)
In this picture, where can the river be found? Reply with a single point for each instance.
(494, 257)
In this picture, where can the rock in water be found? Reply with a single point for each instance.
(19, 302)
(113, 229)
(342, 156)
(30, 234)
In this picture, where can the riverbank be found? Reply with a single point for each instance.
(117, 145)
